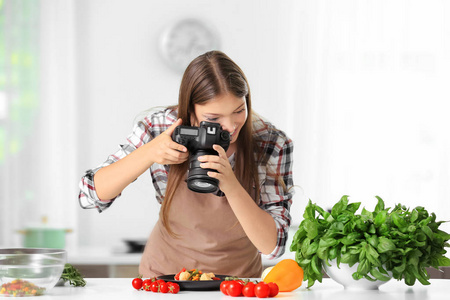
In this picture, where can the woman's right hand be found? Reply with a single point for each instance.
(165, 151)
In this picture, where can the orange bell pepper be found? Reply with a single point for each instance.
(287, 274)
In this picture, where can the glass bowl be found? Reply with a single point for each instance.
(343, 276)
(29, 271)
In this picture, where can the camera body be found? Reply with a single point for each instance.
(199, 141)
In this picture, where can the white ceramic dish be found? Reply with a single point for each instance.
(343, 275)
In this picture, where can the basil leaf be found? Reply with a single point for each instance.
(428, 232)
(316, 265)
(385, 244)
(380, 218)
(363, 267)
(443, 261)
(311, 228)
(312, 248)
(330, 242)
(378, 275)
(414, 215)
(366, 215)
(339, 207)
(353, 207)
(398, 221)
(349, 258)
(380, 205)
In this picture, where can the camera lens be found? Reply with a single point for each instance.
(202, 185)
(198, 179)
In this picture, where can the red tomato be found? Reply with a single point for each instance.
(174, 287)
(234, 288)
(177, 277)
(154, 287)
(249, 290)
(223, 287)
(163, 287)
(273, 289)
(146, 284)
(262, 290)
(137, 283)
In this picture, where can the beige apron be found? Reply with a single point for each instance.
(209, 239)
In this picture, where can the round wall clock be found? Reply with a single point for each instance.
(185, 40)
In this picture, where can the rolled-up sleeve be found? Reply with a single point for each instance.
(87, 196)
(276, 189)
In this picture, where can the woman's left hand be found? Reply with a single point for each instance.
(220, 163)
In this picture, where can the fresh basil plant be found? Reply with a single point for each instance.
(402, 241)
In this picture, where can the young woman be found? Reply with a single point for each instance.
(224, 232)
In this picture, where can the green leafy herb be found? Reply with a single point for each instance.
(399, 241)
(73, 276)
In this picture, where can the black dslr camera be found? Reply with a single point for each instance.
(199, 141)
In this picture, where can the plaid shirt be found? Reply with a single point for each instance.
(274, 199)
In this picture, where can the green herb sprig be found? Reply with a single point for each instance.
(400, 241)
(72, 275)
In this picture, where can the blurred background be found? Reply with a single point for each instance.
(360, 86)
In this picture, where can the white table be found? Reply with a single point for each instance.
(120, 288)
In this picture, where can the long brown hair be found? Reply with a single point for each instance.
(208, 76)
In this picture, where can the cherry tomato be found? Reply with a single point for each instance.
(249, 290)
(262, 290)
(160, 281)
(174, 287)
(234, 288)
(223, 287)
(146, 285)
(273, 287)
(163, 287)
(137, 283)
(154, 287)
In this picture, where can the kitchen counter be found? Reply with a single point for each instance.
(120, 288)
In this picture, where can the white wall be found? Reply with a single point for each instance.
(121, 74)
(359, 85)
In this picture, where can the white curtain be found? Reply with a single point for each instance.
(372, 102)
(38, 117)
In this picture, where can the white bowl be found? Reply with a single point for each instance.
(37, 269)
(343, 275)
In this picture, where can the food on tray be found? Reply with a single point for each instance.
(20, 288)
(194, 275)
(207, 276)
